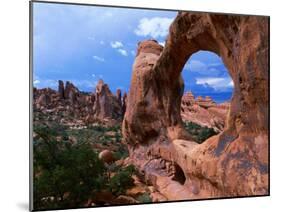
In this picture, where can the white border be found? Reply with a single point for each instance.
(14, 109)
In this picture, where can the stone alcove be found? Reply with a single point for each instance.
(234, 163)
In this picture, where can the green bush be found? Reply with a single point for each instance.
(122, 180)
(98, 128)
(121, 153)
(144, 198)
(65, 175)
(199, 133)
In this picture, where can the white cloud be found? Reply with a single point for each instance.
(154, 27)
(162, 43)
(213, 71)
(116, 44)
(201, 68)
(216, 64)
(209, 80)
(196, 66)
(100, 59)
(36, 81)
(83, 83)
(46, 83)
(123, 52)
(133, 52)
(218, 83)
(231, 84)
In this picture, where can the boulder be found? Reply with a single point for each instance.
(107, 156)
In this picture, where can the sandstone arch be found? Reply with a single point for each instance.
(234, 163)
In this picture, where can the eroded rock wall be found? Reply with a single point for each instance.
(234, 163)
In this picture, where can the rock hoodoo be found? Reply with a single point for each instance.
(124, 103)
(107, 106)
(80, 108)
(61, 89)
(233, 163)
(119, 96)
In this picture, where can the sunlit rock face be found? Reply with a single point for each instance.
(204, 111)
(107, 106)
(233, 163)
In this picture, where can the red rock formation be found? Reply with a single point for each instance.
(68, 103)
(204, 112)
(234, 163)
(188, 99)
(70, 92)
(124, 104)
(119, 96)
(61, 89)
(206, 103)
(44, 97)
(106, 104)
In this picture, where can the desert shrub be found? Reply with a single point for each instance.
(144, 198)
(115, 128)
(118, 137)
(205, 133)
(65, 175)
(199, 133)
(122, 180)
(121, 153)
(98, 128)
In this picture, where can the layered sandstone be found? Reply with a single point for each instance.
(204, 111)
(233, 163)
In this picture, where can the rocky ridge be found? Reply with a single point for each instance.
(76, 108)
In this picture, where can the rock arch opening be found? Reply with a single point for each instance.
(208, 89)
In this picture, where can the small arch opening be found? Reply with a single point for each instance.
(179, 175)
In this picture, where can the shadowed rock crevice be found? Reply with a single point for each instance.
(179, 174)
(154, 104)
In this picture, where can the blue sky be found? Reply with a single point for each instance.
(83, 44)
